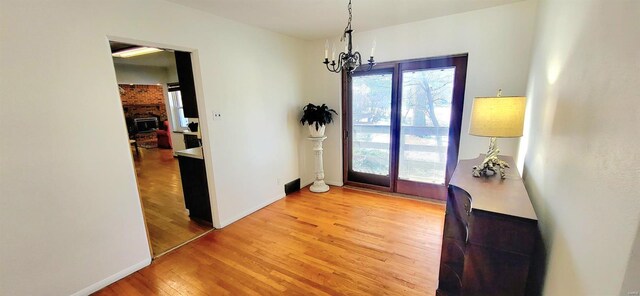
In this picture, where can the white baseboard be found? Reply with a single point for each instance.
(113, 278)
(334, 183)
(250, 211)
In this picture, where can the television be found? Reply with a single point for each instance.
(146, 124)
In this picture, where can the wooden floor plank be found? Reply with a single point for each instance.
(344, 242)
(158, 176)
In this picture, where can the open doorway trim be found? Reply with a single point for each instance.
(206, 142)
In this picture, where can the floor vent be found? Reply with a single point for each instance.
(292, 186)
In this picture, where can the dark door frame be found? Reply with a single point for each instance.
(377, 182)
(371, 181)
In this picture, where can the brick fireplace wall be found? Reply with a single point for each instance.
(140, 101)
(143, 101)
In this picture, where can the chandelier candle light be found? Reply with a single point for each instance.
(348, 60)
(496, 117)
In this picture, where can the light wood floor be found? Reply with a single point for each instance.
(345, 242)
(158, 176)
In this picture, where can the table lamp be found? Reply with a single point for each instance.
(496, 117)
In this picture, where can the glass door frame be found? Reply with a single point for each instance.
(351, 177)
(394, 184)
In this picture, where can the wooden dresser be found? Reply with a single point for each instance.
(490, 233)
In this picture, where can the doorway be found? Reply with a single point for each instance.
(402, 123)
(157, 93)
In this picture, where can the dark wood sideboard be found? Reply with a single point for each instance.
(490, 233)
(194, 185)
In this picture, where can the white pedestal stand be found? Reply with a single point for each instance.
(318, 184)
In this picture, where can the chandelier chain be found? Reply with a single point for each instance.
(348, 27)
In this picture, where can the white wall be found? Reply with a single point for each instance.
(70, 213)
(632, 274)
(134, 74)
(172, 74)
(581, 166)
(497, 39)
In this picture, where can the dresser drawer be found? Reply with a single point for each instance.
(449, 281)
(490, 272)
(453, 253)
(503, 233)
(461, 203)
(455, 229)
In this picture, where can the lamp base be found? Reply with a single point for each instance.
(491, 163)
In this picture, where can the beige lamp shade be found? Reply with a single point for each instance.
(500, 117)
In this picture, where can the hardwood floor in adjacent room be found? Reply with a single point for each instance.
(158, 176)
(344, 242)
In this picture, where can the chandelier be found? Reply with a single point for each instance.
(348, 60)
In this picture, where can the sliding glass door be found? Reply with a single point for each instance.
(402, 125)
(370, 127)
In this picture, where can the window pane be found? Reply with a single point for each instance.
(178, 99)
(424, 131)
(183, 121)
(371, 123)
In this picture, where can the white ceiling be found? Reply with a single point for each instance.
(319, 19)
